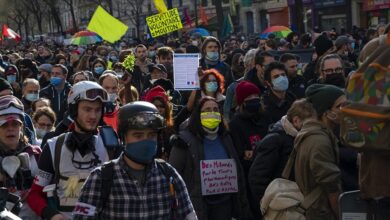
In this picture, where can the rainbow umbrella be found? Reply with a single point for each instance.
(84, 38)
(203, 32)
(278, 31)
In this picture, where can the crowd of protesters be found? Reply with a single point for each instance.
(257, 98)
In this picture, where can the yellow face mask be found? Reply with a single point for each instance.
(210, 120)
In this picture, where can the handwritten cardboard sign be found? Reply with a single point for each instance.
(164, 23)
(218, 176)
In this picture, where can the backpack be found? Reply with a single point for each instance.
(283, 200)
(365, 119)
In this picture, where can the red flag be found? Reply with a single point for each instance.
(10, 34)
(203, 16)
(187, 16)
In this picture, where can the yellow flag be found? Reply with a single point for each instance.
(160, 6)
(107, 26)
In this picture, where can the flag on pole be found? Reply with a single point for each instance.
(10, 34)
(187, 16)
(106, 26)
(203, 16)
(160, 6)
(232, 5)
(227, 26)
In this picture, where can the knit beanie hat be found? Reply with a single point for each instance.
(322, 44)
(323, 96)
(245, 89)
(4, 84)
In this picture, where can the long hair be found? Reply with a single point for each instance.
(194, 124)
(218, 76)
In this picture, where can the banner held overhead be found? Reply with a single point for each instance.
(106, 26)
(164, 23)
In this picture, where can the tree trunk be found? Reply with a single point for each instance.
(299, 16)
(219, 10)
(75, 27)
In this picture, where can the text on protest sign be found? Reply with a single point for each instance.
(185, 71)
(164, 23)
(218, 176)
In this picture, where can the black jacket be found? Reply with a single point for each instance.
(270, 159)
(275, 108)
(297, 86)
(246, 131)
(222, 67)
(58, 100)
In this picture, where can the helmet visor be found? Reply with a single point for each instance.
(146, 120)
(8, 101)
(93, 94)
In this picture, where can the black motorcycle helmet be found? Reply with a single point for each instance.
(139, 115)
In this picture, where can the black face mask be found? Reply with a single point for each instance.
(252, 106)
(335, 79)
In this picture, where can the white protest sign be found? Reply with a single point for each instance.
(185, 71)
(218, 176)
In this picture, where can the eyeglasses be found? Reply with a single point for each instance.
(330, 71)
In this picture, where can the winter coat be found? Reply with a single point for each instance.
(186, 154)
(247, 130)
(317, 164)
(271, 157)
(58, 101)
(275, 108)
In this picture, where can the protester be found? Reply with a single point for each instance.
(296, 83)
(135, 171)
(80, 76)
(44, 120)
(30, 93)
(331, 71)
(272, 152)
(159, 98)
(110, 82)
(44, 74)
(211, 54)
(247, 128)
(57, 91)
(98, 67)
(19, 158)
(276, 99)
(317, 155)
(39, 103)
(206, 139)
(67, 159)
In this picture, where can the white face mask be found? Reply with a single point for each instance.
(195, 43)
(112, 97)
(41, 132)
(153, 81)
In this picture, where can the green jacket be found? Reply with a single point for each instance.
(317, 164)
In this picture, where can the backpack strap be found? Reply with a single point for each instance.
(107, 174)
(169, 175)
(57, 157)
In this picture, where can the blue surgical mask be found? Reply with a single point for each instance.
(353, 45)
(39, 76)
(114, 58)
(211, 86)
(99, 70)
(11, 78)
(142, 152)
(213, 56)
(55, 81)
(32, 97)
(280, 84)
